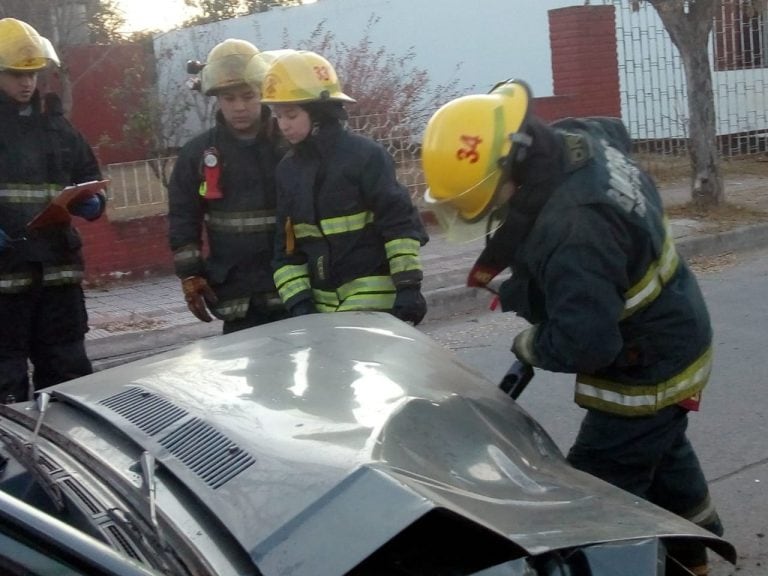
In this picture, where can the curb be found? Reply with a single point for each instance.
(743, 239)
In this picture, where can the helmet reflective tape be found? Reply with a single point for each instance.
(22, 49)
(300, 76)
(466, 143)
(226, 65)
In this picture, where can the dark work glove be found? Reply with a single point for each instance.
(410, 305)
(196, 292)
(303, 308)
(90, 208)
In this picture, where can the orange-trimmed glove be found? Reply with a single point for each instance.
(198, 293)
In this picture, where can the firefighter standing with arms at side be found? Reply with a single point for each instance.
(596, 273)
(43, 319)
(223, 182)
(349, 235)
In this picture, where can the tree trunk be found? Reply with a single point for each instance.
(690, 30)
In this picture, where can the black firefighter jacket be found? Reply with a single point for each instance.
(348, 232)
(239, 227)
(595, 269)
(40, 153)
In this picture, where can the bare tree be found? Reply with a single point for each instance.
(689, 24)
(217, 10)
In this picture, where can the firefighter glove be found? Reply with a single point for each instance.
(90, 208)
(522, 347)
(410, 305)
(5, 240)
(198, 295)
(303, 307)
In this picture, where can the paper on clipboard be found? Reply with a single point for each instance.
(57, 211)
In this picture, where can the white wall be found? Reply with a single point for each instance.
(491, 40)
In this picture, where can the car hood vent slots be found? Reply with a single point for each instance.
(208, 453)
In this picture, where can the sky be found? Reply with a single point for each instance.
(152, 14)
(156, 14)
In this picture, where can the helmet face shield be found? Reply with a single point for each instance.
(22, 49)
(466, 152)
(453, 221)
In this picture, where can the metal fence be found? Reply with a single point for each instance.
(136, 189)
(654, 101)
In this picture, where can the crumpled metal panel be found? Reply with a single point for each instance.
(359, 424)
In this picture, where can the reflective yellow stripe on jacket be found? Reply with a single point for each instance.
(367, 293)
(331, 226)
(658, 274)
(292, 280)
(403, 255)
(643, 400)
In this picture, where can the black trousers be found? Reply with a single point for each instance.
(45, 326)
(652, 458)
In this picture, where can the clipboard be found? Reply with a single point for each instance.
(57, 211)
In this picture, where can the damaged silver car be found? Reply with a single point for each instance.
(330, 444)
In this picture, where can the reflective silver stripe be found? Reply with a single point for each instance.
(638, 400)
(15, 282)
(24, 196)
(61, 275)
(657, 275)
(186, 254)
(232, 309)
(241, 222)
(704, 514)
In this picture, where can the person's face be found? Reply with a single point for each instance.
(293, 120)
(241, 108)
(19, 86)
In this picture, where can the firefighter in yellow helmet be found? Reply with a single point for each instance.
(223, 187)
(349, 236)
(43, 318)
(595, 271)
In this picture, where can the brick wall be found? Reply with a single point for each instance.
(585, 68)
(127, 250)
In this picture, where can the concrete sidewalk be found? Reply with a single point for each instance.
(134, 319)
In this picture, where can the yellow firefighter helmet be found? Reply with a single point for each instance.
(466, 145)
(225, 66)
(22, 49)
(259, 64)
(299, 77)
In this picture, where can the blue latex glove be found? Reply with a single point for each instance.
(5, 240)
(90, 209)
